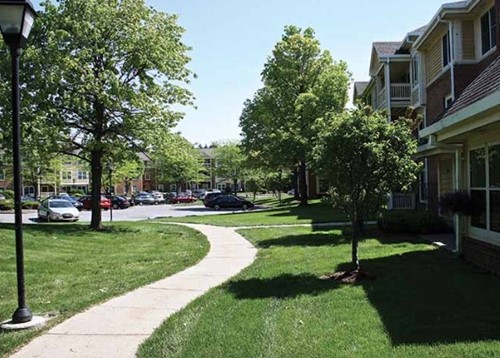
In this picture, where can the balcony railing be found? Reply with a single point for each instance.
(381, 99)
(400, 92)
(402, 201)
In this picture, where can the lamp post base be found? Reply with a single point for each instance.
(22, 315)
(33, 323)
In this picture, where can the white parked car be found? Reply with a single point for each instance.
(57, 210)
(202, 196)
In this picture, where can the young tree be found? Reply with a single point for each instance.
(363, 157)
(302, 84)
(229, 162)
(104, 76)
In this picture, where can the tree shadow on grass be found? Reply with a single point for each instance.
(70, 229)
(282, 287)
(311, 240)
(432, 297)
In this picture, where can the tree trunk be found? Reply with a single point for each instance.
(127, 187)
(235, 187)
(303, 183)
(356, 223)
(96, 169)
(295, 184)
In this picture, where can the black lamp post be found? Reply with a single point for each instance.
(110, 167)
(280, 173)
(16, 20)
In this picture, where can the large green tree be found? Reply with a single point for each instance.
(230, 160)
(178, 161)
(104, 77)
(302, 83)
(364, 157)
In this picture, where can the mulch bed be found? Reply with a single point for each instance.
(353, 276)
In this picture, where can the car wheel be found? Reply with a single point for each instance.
(216, 207)
(244, 207)
(156, 203)
(115, 206)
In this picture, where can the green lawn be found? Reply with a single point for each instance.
(69, 268)
(290, 213)
(424, 302)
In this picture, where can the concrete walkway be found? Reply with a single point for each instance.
(117, 327)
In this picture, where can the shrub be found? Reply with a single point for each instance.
(77, 192)
(30, 205)
(413, 222)
(6, 205)
(9, 194)
(456, 202)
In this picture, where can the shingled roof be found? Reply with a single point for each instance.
(487, 83)
(386, 48)
(360, 87)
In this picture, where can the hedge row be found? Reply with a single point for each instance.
(414, 222)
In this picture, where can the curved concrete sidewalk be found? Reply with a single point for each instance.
(117, 327)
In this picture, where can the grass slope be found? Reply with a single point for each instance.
(424, 302)
(69, 268)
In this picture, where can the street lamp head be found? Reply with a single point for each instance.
(110, 166)
(16, 20)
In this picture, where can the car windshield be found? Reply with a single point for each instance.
(60, 204)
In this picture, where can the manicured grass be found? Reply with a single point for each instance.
(423, 302)
(315, 212)
(69, 268)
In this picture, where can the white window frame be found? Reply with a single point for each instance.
(446, 50)
(492, 45)
(67, 175)
(415, 70)
(477, 233)
(448, 99)
(425, 177)
(82, 175)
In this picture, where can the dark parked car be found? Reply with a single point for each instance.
(120, 202)
(209, 196)
(77, 204)
(144, 199)
(229, 201)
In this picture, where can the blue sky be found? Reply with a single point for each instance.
(231, 40)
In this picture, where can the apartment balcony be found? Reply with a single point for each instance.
(402, 201)
(401, 96)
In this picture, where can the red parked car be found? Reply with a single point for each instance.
(87, 202)
(183, 198)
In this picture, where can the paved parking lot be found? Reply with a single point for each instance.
(134, 213)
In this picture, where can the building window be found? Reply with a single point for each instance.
(423, 180)
(82, 175)
(147, 175)
(446, 49)
(66, 176)
(160, 187)
(173, 187)
(207, 163)
(448, 101)
(2, 174)
(414, 70)
(484, 166)
(488, 30)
